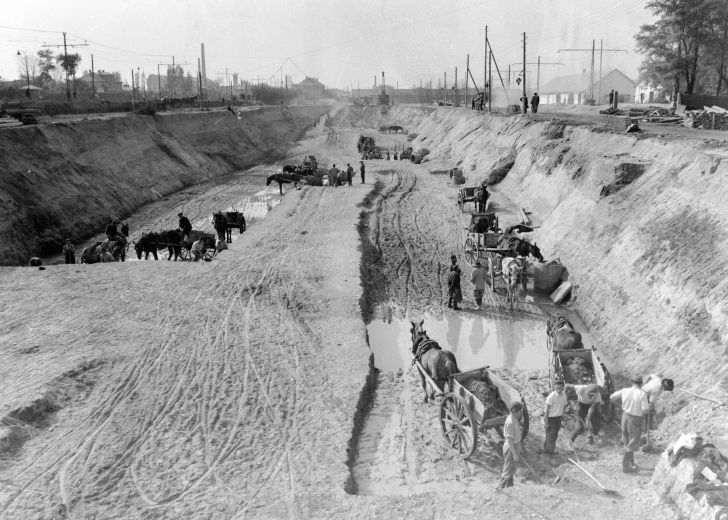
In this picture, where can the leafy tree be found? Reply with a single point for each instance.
(686, 42)
(46, 66)
(175, 76)
(69, 63)
(27, 67)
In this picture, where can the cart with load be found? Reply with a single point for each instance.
(466, 194)
(579, 366)
(473, 402)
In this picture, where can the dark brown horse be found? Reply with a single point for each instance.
(223, 222)
(562, 333)
(521, 247)
(283, 178)
(439, 364)
(150, 242)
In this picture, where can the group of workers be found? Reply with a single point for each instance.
(335, 172)
(638, 408)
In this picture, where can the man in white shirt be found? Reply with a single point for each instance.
(512, 448)
(198, 249)
(478, 278)
(553, 411)
(653, 387)
(589, 414)
(634, 406)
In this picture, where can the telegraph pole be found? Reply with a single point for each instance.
(538, 70)
(593, 50)
(93, 82)
(132, 89)
(524, 75)
(65, 60)
(456, 101)
(485, 69)
(467, 71)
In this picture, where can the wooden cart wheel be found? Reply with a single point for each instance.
(461, 201)
(185, 254)
(458, 425)
(471, 251)
(491, 268)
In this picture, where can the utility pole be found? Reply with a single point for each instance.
(65, 60)
(132, 90)
(538, 69)
(524, 75)
(486, 85)
(93, 82)
(490, 78)
(592, 50)
(444, 90)
(456, 101)
(27, 75)
(467, 71)
(601, 51)
(159, 82)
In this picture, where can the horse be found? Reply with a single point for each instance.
(289, 168)
(282, 178)
(439, 364)
(109, 251)
(150, 242)
(396, 129)
(511, 269)
(562, 333)
(219, 223)
(520, 246)
(480, 199)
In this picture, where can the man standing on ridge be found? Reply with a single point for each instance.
(349, 173)
(535, 100)
(361, 171)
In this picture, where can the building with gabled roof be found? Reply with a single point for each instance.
(575, 89)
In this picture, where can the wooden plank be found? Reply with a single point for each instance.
(525, 219)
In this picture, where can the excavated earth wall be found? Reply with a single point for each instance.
(639, 221)
(69, 179)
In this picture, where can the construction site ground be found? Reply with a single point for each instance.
(245, 387)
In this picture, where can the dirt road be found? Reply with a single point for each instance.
(240, 388)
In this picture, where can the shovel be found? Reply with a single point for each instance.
(604, 490)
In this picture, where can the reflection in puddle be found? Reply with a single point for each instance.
(518, 343)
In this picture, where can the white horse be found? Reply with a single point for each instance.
(511, 268)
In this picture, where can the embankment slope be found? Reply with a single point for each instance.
(70, 178)
(639, 221)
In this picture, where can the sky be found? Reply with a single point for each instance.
(343, 43)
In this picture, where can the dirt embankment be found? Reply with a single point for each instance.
(68, 179)
(639, 222)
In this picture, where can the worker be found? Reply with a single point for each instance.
(589, 417)
(653, 387)
(535, 100)
(552, 415)
(512, 447)
(111, 231)
(198, 250)
(478, 278)
(184, 226)
(634, 406)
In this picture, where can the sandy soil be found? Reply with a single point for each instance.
(244, 387)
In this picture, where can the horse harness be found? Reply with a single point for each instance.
(424, 345)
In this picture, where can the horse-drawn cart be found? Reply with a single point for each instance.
(473, 402)
(225, 221)
(576, 366)
(466, 194)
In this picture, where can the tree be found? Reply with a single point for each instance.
(46, 66)
(27, 67)
(175, 75)
(681, 46)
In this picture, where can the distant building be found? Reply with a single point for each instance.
(310, 88)
(618, 81)
(649, 93)
(576, 89)
(103, 82)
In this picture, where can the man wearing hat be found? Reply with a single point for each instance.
(455, 295)
(478, 278)
(69, 252)
(653, 387)
(184, 226)
(634, 406)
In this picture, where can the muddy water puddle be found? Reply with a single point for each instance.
(476, 341)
